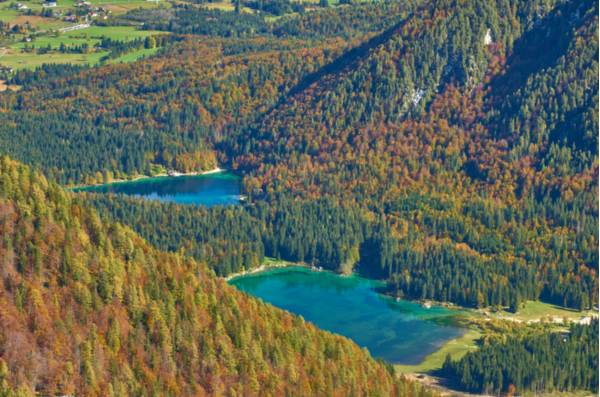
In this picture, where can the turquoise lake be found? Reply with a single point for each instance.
(221, 188)
(400, 332)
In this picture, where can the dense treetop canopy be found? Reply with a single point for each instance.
(89, 308)
(449, 148)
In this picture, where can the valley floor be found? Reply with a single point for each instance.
(456, 348)
(533, 312)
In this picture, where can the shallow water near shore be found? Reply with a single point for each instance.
(401, 332)
(218, 188)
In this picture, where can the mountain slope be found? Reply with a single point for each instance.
(93, 125)
(481, 157)
(444, 199)
(396, 75)
(89, 308)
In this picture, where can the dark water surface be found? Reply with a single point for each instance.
(400, 332)
(221, 188)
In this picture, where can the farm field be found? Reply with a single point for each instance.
(21, 50)
(91, 35)
(122, 6)
(15, 57)
(18, 60)
(116, 6)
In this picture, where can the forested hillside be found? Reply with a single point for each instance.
(440, 195)
(90, 309)
(448, 148)
(232, 239)
(543, 362)
(461, 142)
(170, 115)
(344, 22)
(481, 154)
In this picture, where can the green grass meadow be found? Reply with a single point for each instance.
(16, 58)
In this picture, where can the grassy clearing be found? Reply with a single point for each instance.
(225, 6)
(91, 35)
(42, 23)
(63, 5)
(7, 11)
(535, 311)
(121, 7)
(7, 14)
(221, 5)
(31, 61)
(134, 55)
(122, 33)
(531, 312)
(17, 59)
(17, 17)
(128, 3)
(37, 5)
(456, 348)
(43, 32)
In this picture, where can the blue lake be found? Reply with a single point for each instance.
(400, 332)
(221, 188)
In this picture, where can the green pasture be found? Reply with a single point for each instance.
(16, 58)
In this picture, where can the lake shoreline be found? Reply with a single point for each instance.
(344, 304)
(280, 263)
(173, 174)
(457, 346)
(486, 314)
(470, 320)
(277, 264)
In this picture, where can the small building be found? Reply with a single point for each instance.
(49, 4)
